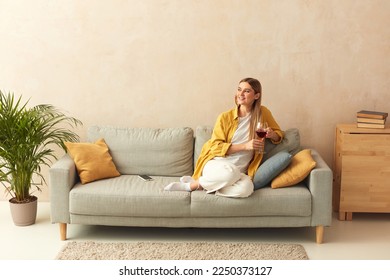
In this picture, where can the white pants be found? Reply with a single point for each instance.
(224, 178)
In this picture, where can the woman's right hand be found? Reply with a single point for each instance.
(254, 144)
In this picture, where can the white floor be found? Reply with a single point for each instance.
(366, 237)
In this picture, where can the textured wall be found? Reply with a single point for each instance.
(177, 63)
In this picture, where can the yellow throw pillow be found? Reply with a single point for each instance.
(93, 160)
(301, 165)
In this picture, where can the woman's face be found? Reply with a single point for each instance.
(246, 95)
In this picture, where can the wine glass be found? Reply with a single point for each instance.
(261, 132)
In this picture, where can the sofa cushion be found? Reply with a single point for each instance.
(93, 160)
(294, 201)
(301, 165)
(128, 195)
(269, 169)
(165, 152)
(202, 135)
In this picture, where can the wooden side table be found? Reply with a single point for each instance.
(361, 170)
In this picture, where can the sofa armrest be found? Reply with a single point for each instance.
(320, 184)
(63, 177)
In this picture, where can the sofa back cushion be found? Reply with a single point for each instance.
(202, 135)
(159, 152)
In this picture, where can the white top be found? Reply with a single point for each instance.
(240, 159)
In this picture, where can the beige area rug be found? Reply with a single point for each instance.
(89, 250)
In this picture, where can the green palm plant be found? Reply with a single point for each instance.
(27, 140)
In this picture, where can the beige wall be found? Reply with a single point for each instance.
(176, 63)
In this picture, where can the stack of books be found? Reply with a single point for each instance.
(371, 119)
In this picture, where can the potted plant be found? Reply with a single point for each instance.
(28, 137)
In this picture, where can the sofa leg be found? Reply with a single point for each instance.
(319, 234)
(63, 231)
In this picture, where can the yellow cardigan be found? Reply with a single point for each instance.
(220, 141)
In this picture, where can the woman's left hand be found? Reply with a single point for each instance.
(272, 134)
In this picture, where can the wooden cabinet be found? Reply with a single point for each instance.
(361, 170)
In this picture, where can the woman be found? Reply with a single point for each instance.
(229, 160)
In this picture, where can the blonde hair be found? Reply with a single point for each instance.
(256, 106)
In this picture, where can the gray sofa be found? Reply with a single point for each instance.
(166, 155)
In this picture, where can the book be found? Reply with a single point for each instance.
(370, 125)
(372, 114)
(371, 120)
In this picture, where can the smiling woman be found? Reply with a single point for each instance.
(229, 160)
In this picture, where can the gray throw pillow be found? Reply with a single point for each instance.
(269, 169)
(290, 143)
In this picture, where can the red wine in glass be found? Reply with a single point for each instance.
(261, 129)
(261, 133)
